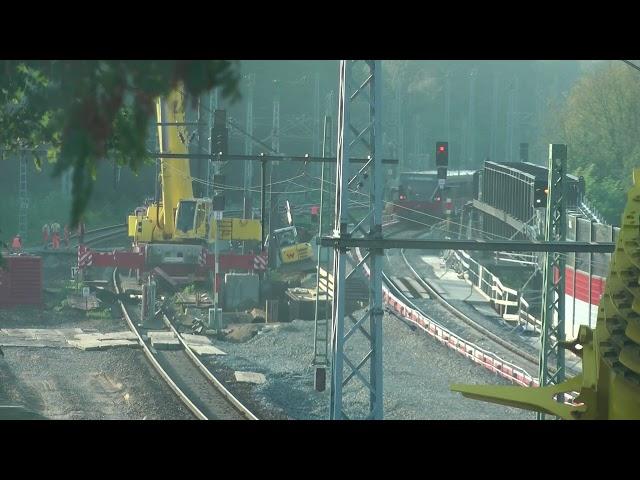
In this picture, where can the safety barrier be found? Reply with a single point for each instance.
(507, 302)
(476, 354)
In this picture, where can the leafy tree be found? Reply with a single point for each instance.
(82, 112)
(600, 122)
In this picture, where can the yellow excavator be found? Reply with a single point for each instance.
(289, 249)
(287, 253)
(175, 228)
(609, 386)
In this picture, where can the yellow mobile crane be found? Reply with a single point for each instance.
(175, 229)
(609, 386)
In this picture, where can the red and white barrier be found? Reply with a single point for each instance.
(259, 262)
(85, 257)
(488, 360)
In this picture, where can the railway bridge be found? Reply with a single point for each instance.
(510, 202)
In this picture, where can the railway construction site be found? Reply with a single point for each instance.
(343, 279)
(67, 363)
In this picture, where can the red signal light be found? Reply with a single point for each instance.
(441, 148)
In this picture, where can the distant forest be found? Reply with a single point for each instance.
(493, 107)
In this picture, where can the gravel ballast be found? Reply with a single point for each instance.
(68, 383)
(65, 383)
(417, 374)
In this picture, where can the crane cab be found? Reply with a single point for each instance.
(193, 220)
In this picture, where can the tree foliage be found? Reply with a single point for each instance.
(78, 113)
(600, 122)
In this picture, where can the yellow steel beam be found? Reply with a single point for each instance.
(609, 387)
(536, 399)
(175, 173)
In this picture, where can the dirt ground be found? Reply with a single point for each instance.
(67, 383)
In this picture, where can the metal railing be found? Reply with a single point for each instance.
(590, 211)
(507, 302)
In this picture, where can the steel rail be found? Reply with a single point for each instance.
(154, 362)
(465, 318)
(208, 375)
(408, 303)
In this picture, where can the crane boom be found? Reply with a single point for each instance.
(175, 173)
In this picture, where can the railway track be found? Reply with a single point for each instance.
(200, 391)
(407, 295)
(532, 360)
(91, 237)
(415, 289)
(98, 235)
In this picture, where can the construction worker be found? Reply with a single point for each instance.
(16, 244)
(66, 235)
(55, 235)
(81, 232)
(46, 230)
(55, 240)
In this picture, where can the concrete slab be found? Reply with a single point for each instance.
(250, 377)
(31, 344)
(163, 340)
(90, 344)
(448, 284)
(86, 344)
(206, 350)
(192, 339)
(160, 334)
(37, 337)
(125, 335)
(119, 343)
(34, 332)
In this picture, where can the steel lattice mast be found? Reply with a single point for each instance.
(353, 133)
(23, 196)
(248, 149)
(551, 352)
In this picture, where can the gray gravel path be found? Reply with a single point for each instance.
(418, 372)
(67, 383)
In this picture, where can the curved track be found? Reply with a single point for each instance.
(492, 356)
(201, 392)
(433, 293)
(487, 355)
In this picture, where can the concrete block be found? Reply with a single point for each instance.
(206, 350)
(125, 335)
(160, 335)
(86, 344)
(195, 339)
(164, 340)
(250, 377)
(166, 344)
(241, 291)
(119, 343)
(94, 341)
